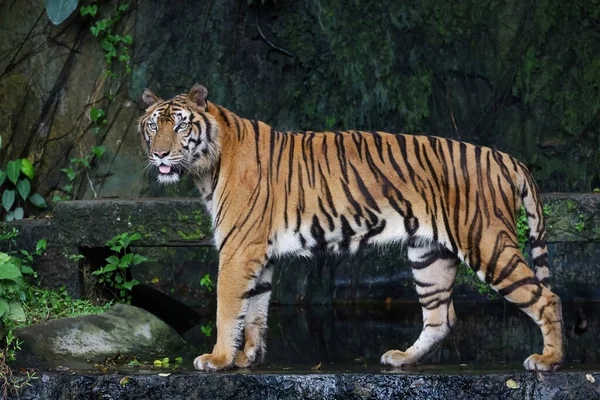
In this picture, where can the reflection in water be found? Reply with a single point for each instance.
(488, 336)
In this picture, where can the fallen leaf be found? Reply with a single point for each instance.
(163, 374)
(316, 367)
(512, 384)
(157, 363)
(124, 381)
(463, 365)
(417, 383)
(155, 280)
(590, 378)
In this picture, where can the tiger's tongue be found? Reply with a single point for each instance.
(164, 169)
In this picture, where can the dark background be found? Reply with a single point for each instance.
(521, 76)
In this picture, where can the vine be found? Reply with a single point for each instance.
(117, 50)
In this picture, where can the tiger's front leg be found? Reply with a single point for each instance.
(236, 283)
(255, 324)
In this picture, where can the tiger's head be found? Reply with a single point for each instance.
(179, 134)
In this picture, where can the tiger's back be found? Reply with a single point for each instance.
(272, 193)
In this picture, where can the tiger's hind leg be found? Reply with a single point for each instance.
(255, 323)
(508, 274)
(434, 270)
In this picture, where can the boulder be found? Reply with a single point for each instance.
(123, 329)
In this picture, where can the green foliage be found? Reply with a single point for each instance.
(44, 304)
(97, 115)
(113, 276)
(73, 170)
(60, 10)
(15, 187)
(15, 266)
(115, 46)
(522, 229)
(207, 328)
(88, 10)
(207, 282)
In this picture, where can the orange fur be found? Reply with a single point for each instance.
(271, 193)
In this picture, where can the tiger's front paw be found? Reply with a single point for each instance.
(211, 362)
(538, 362)
(397, 358)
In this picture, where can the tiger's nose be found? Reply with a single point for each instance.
(161, 153)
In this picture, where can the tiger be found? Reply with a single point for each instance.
(271, 193)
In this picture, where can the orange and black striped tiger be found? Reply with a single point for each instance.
(271, 193)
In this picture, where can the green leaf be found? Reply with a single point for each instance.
(9, 271)
(4, 307)
(27, 168)
(10, 216)
(89, 10)
(8, 199)
(138, 259)
(2, 177)
(41, 245)
(13, 170)
(24, 188)
(110, 267)
(126, 260)
(113, 260)
(130, 285)
(59, 10)
(37, 200)
(27, 270)
(135, 236)
(16, 311)
(18, 213)
(98, 151)
(96, 113)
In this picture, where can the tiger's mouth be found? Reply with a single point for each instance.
(169, 173)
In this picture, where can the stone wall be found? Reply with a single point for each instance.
(176, 239)
(520, 76)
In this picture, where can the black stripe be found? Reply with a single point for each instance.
(516, 285)
(226, 238)
(259, 289)
(541, 260)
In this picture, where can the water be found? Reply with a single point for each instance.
(489, 337)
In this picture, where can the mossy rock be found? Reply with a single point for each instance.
(124, 330)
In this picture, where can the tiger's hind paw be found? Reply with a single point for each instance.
(250, 357)
(538, 362)
(397, 358)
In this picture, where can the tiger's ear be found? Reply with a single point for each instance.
(198, 95)
(149, 98)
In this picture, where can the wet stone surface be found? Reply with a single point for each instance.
(333, 352)
(263, 386)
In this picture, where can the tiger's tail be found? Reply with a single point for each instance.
(538, 235)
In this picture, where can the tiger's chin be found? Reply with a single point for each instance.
(168, 175)
(168, 179)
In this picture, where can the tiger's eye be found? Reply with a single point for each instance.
(182, 126)
(152, 126)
